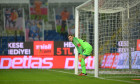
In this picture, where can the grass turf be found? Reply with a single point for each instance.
(43, 76)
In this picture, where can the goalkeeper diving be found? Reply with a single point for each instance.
(84, 50)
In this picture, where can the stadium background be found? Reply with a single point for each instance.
(19, 19)
(17, 40)
(48, 48)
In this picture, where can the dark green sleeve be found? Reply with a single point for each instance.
(77, 45)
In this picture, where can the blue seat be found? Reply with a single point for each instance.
(6, 51)
(49, 33)
(20, 38)
(50, 39)
(4, 37)
(58, 17)
(1, 51)
(4, 42)
(52, 35)
(45, 38)
(0, 38)
(113, 50)
(11, 38)
(4, 46)
(45, 31)
(71, 17)
(56, 39)
(0, 42)
(61, 38)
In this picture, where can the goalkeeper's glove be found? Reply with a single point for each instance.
(80, 57)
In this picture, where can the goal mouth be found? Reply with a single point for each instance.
(117, 35)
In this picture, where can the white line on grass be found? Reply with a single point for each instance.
(124, 77)
(28, 80)
(60, 71)
(117, 80)
(93, 76)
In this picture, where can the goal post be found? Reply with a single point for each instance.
(96, 38)
(112, 27)
(76, 35)
(96, 35)
(77, 32)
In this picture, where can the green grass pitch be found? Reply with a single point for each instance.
(54, 76)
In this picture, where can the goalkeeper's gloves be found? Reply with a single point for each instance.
(80, 57)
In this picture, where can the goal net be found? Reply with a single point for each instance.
(118, 36)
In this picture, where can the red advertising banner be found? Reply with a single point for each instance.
(42, 62)
(43, 48)
(111, 60)
(121, 60)
(138, 44)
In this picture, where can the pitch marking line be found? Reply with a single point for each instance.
(92, 76)
(28, 80)
(135, 79)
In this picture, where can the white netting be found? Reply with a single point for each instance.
(119, 30)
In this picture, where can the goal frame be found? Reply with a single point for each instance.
(96, 71)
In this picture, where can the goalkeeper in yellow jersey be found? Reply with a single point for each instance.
(84, 50)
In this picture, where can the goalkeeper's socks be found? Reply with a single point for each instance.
(83, 66)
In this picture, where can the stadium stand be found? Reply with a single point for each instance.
(52, 35)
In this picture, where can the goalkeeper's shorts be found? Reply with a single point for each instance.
(87, 51)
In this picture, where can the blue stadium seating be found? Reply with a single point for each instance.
(4, 43)
(4, 37)
(20, 38)
(71, 17)
(1, 51)
(0, 38)
(50, 38)
(113, 50)
(6, 51)
(0, 43)
(11, 39)
(52, 35)
(58, 17)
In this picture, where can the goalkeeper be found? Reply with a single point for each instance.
(84, 50)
